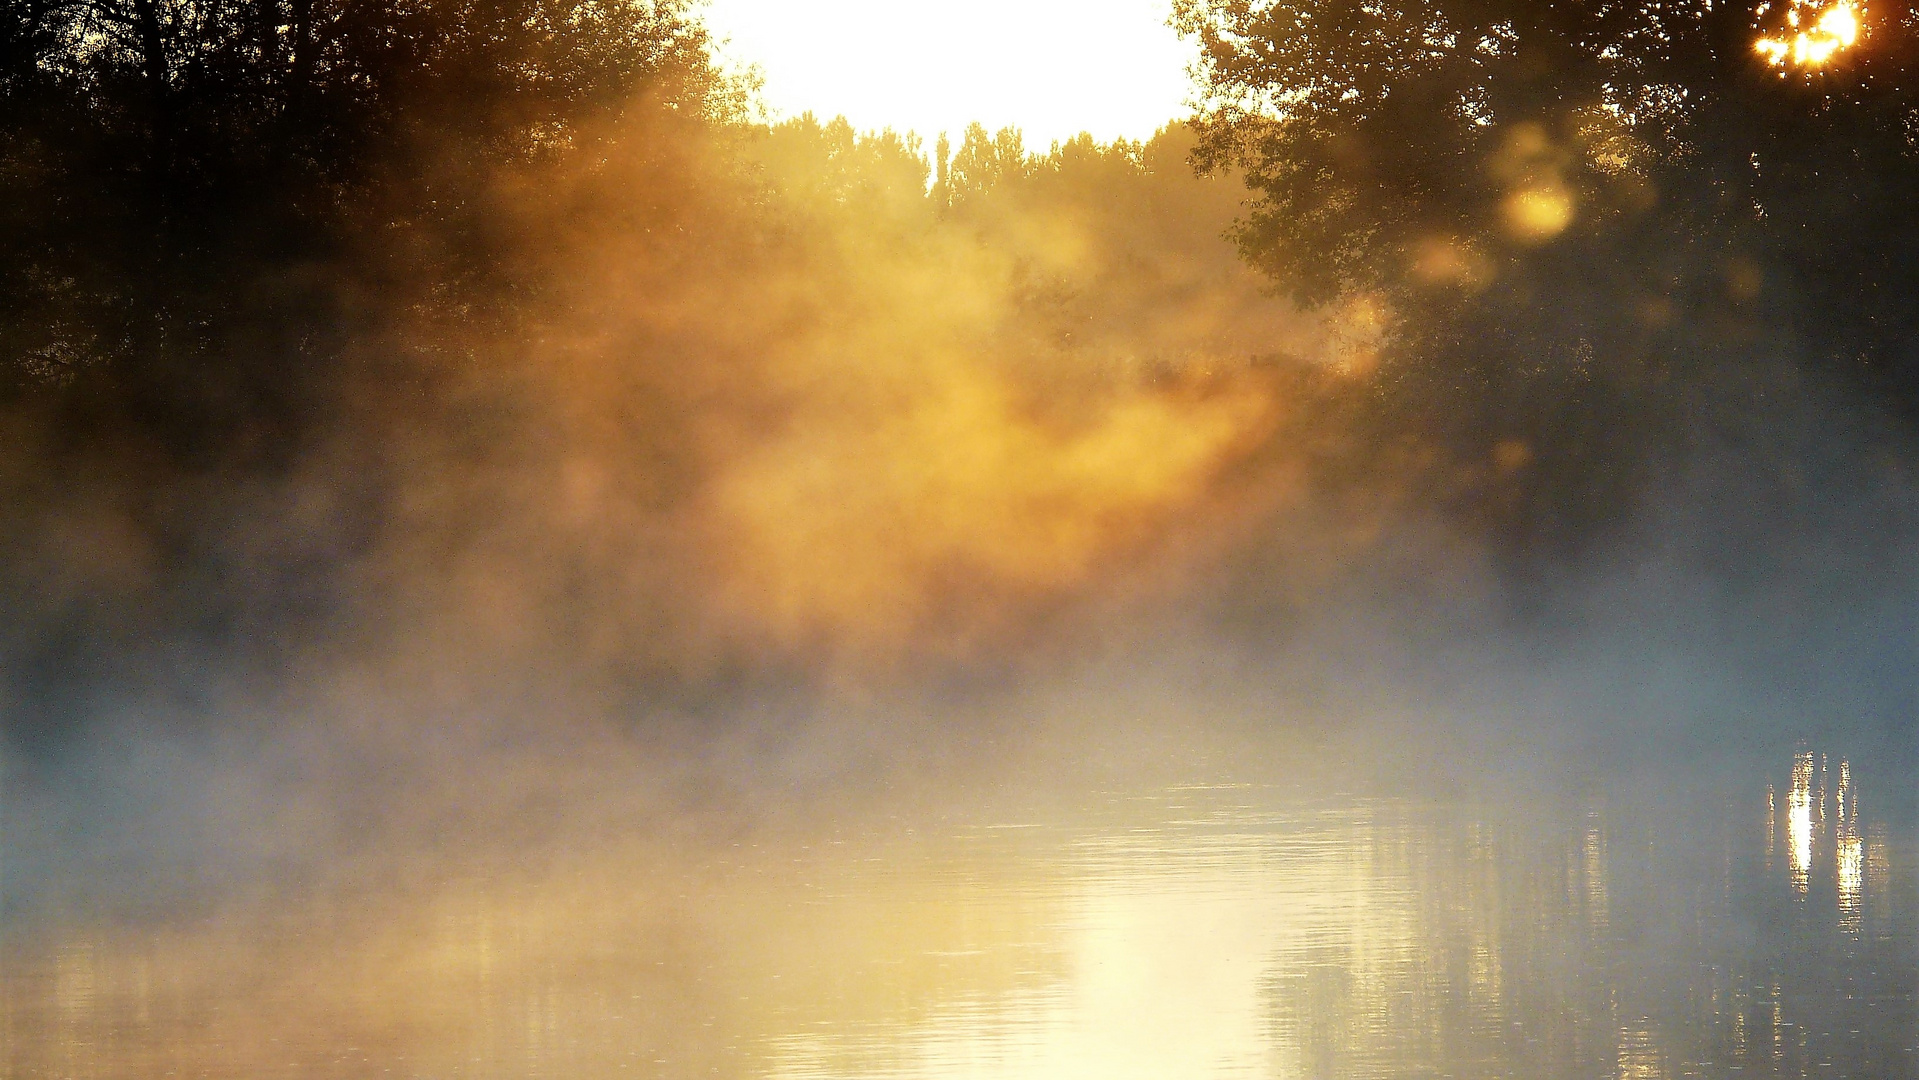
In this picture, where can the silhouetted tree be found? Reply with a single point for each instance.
(983, 161)
(195, 190)
(230, 232)
(1598, 222)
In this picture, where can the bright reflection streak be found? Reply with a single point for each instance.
(1639, 1057)
(1833, 31)
(1593, 857)
(1772, 825)
(1852, 879)
(1851, 868)
(1799, 822)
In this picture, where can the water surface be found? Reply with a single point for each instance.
(1758, 927)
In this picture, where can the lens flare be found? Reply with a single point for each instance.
(1537, 214)
(1811, 40)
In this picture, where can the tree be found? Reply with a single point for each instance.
(232, 233)
(195, 189)
(982, 162)
(1592, 217)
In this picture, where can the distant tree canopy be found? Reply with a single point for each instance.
(1578, 207)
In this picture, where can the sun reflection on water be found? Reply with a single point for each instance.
(1208, 946)
(1799, 822)
(1849, 852)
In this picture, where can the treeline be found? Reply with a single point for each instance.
(467, 327)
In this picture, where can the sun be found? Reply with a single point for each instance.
(1053, 68)
(1814, 36)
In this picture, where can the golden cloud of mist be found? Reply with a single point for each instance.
(844, 418)
(854, 523)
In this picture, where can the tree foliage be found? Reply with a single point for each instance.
(196, 191)
(1599, 222)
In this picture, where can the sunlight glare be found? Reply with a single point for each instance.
(1052, 68)
(1835, 30)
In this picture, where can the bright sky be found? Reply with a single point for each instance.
(1052, 68)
